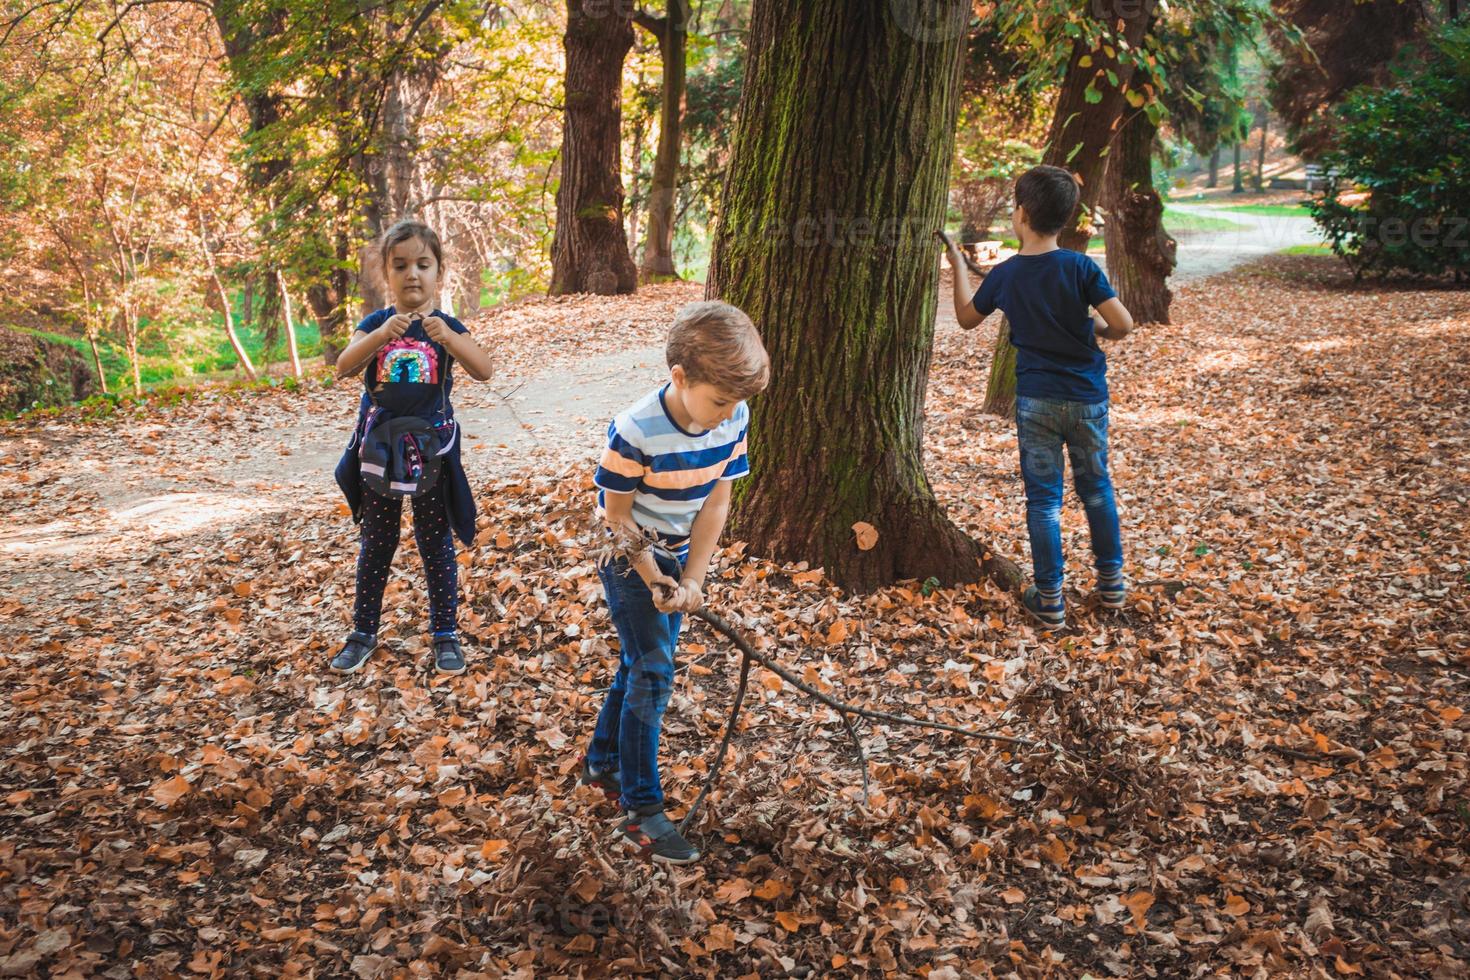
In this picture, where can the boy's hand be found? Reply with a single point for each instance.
(438, 331)
(687, 596)
(951, 251)
(664, 591)
(395, 326)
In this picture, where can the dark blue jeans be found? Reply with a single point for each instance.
(626, 737)
(1043, 428)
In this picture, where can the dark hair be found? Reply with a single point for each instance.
(1049, 195)
(407, 229)
(718, 345)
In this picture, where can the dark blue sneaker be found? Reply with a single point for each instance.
(1048, 614)
(448, 657)
(654, 836)
(354, 652)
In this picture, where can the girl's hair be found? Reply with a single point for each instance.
(407, 229)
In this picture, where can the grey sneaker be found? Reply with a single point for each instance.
(649, 830)
(448, 657)
(354, 652)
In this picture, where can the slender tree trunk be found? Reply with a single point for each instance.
(224, 300)
(97, 360)
(671, 31)
(1140, 253)
(636, 169)
(291, 348)
(1214, 180)
(130, 339)
(589, 252)
(1239, 186)
(838, 180)
(1088, 111)
(1261, 155)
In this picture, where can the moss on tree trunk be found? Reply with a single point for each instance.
(838, 180)
(1140, 253)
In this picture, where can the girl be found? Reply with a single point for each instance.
(413, 347)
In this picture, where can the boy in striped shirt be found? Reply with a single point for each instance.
(668, 467)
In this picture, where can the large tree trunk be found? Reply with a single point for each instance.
(589, 253)
(671, 31)
(1140, 252)
(838, 180)
(1080, 140)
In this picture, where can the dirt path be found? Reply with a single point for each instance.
(89, 494)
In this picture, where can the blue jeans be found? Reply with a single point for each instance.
(626, 737)
(1043, 427)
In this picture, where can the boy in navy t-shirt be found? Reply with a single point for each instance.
(1061, 381)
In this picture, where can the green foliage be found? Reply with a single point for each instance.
(1396, 198)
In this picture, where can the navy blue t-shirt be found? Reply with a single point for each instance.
(1046, 298)
(420, 372)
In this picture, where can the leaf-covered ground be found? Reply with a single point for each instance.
(1273, 737)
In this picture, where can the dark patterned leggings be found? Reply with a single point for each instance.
(381, 517)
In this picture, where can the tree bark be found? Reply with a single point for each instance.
(1140, 253)
(224, 300)
(838, 179)
(589, 252)
(1214, 180)
(1261, 155)
(672, 32)
(97, 360)
(291, 348)
(1239, 186)
(1088, 111)
(1081, 134)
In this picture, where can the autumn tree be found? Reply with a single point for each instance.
(671, 30)
(841, 162)
(590, 251)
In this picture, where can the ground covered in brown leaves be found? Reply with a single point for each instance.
(1265, 770)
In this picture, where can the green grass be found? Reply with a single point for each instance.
(1180, 221)
(1318, 249)
(1279, 210)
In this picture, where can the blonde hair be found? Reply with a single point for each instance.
(717, 345)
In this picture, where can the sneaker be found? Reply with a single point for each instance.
(1112, 595)
(608, 782)
(656, 838)
(448, 657)
(354, 652)
(1050, 615)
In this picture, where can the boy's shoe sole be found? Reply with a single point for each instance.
(629, 829)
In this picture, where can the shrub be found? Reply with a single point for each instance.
(1396, 196)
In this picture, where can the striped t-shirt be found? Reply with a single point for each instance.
(668, 471)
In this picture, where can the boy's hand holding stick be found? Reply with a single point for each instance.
(636, 546)
(957, 255)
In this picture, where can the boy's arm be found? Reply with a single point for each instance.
(964, 306)
(703, 538)
(1116, 320)
(617, 509)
